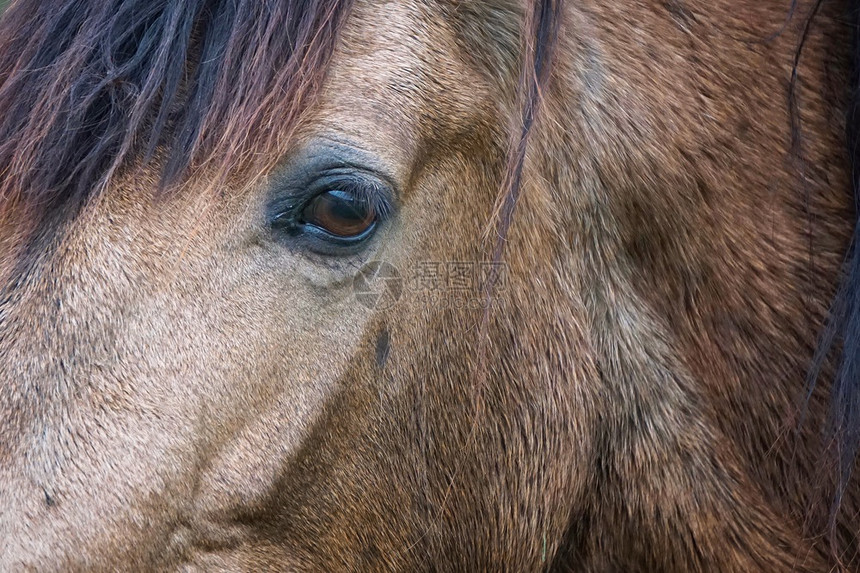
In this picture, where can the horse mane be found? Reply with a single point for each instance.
(85, 87)
(840, 339)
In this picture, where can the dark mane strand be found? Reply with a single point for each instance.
(540, 38)
(841, 336)
(87, 86)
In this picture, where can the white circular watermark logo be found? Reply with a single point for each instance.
(378, 286)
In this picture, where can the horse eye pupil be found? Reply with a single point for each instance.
(339, 213)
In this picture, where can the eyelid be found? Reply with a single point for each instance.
(368, 189)
(300, 183)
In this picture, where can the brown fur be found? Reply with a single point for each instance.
(181, 392)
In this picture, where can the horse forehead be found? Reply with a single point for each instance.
(413, 54)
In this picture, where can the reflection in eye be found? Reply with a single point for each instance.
(340, 213)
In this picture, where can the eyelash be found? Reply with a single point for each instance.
(374, 197)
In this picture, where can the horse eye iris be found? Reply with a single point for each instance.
(340, 213)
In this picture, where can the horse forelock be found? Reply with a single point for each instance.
(89, 88)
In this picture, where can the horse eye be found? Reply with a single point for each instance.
(340, 213)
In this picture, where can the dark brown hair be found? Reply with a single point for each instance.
(88, 87)
(840, 339)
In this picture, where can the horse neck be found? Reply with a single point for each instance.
(701, 236)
